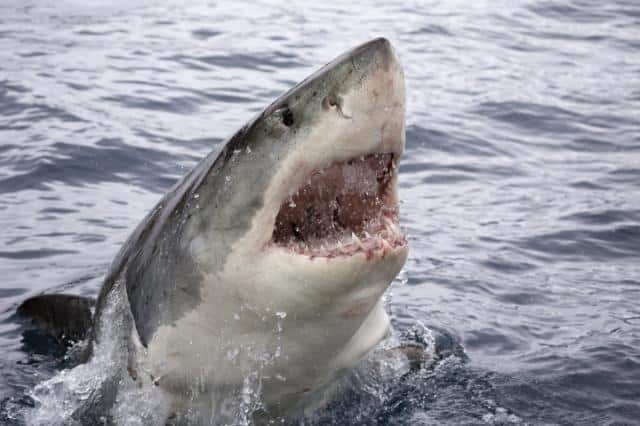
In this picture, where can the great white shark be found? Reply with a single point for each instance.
(268, 260)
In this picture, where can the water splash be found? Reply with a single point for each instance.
(61, 399)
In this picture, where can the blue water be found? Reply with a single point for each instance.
(521, 179)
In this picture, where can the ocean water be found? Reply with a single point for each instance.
(520, 182)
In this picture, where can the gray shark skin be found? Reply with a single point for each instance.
(209, 293)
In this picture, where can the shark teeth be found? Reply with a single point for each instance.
(391, 226)
(357, 240)
(380, 237)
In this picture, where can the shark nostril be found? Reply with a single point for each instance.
(330, 102)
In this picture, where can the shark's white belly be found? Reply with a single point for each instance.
(294, 337)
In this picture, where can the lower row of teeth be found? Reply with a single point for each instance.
(388, 237)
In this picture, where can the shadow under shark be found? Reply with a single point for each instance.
(265, 264)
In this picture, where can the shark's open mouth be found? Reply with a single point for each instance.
(347, 207)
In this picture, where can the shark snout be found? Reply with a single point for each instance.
(377, 52)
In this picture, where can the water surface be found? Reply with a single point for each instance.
(521, 179)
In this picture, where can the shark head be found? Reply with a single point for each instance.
(304, 206)
(287, 238)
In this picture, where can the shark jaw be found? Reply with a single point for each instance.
(347, 208)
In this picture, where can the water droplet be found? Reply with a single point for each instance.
(232, 354)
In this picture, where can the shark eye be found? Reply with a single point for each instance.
(287, 117)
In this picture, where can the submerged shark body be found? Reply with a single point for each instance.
(267, 262)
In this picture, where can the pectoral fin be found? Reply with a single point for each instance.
(66, 318)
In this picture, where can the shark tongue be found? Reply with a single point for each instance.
(341, 205)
